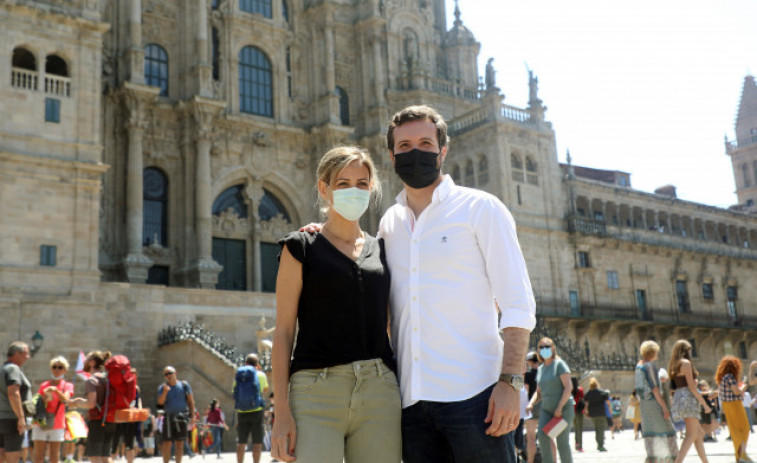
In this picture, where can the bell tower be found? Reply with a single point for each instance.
(743, 151)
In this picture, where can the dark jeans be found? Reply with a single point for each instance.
(453, 432)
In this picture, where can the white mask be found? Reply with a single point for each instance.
(351, 203)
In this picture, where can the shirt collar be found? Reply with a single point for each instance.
(441, 192)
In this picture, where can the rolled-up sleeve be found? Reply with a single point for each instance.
(505, 266)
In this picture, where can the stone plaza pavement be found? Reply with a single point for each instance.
(622, 449)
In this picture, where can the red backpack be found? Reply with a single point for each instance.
(121, 387)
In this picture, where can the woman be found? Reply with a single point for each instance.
(334, 286)
(56, 393)
(617, 411)
(554, 391)
(657, 429)
(633, 404)
(687, 399)
(101, 435)
(596, 400)
(216, 422)
(731, 399)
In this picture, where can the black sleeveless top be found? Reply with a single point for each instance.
(342, 312)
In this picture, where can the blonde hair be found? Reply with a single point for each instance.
(593, 383)
(59, 360)
(336, 160)
(649, 349)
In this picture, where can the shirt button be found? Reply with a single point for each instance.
(416, 359)
(413, 269)
(414, 298)
(415, 328)
(415, 241)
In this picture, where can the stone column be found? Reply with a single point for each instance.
(378, 71)
(205, 70)
(332, 101)
(204, 270)
(254, 193)
(136, 51)
(135, 264)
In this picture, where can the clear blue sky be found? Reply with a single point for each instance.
(646, 87)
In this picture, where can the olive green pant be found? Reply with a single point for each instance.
(600, 424)
(348, 413)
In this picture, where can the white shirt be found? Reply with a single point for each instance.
(447, 268)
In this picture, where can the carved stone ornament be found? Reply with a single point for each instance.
(254, 193)
(157, 253)
(229, 223)
(274, 228)
(261, 139)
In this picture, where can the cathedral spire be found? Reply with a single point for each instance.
(457, 22)
(746, 118)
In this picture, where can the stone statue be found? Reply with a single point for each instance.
(533, 86)
(264, 344)
(491, 79)
(411, 47)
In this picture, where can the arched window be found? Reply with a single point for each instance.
(344, 106)
(255, 82)
(231, 198)
(261, 7)
(156, 67)
(24, 69)
(155, 207)
(456, 174)
(231, 253)
(469, 178)
(214, 4)
(54, 64)
(285, 10)
(483, 171)
(530, 164)
(215, 59)
(515, 162)
(24, 59)
(270, 207)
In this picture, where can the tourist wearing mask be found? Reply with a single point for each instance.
(554, 391)
(337, 394)
(56, 392)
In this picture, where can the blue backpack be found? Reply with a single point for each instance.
(247, 396)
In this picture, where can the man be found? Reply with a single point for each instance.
(597, 404)
(15, 389)
(179, 406)
(250, 422)
(455, 258)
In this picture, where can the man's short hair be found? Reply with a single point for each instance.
(418, 113)
(252, 359)
(15, 347)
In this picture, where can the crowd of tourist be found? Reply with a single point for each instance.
(663, 405)
(47, 425)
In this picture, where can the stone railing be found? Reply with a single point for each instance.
(24, 78)
(449, 87)
(468, 121)
(58, 85)
(589, 226)
(516, 114)
(206, 338)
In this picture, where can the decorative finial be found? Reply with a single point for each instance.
(457, 14)
(569, 158)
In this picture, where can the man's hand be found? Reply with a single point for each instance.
(312, 228)
(21, 425)
(504, 410)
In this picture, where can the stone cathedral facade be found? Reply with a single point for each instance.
(153, 151)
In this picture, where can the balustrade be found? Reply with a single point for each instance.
(24, 78)
(58, 85)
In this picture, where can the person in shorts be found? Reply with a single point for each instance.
(56, 392)
(148, 434)
(251, 423)
(178, 403)
(14, 390)
(126, 433)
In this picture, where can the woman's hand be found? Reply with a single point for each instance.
(665, 413)
(558, 413)
(529, 408)
(284, 436)
(707, 408)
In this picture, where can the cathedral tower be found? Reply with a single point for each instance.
(743, 151)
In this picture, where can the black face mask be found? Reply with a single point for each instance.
(417, 168)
